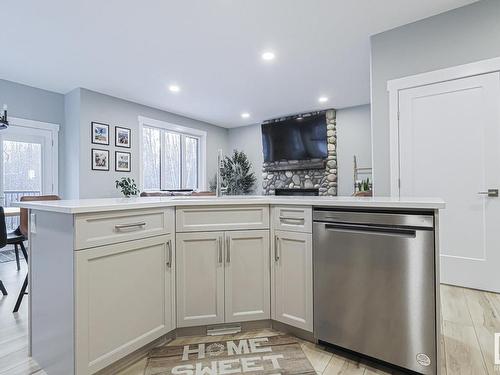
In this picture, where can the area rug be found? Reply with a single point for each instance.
(263, 355)
(9, 256)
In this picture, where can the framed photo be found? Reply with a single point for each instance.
(100, 160)
(122, 161)
(122, 137)
(100, 133)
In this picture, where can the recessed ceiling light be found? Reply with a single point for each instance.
(268, 56)
(322, 99)
(245, 115)
(174, 88)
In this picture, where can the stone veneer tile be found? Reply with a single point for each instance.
(323, 179)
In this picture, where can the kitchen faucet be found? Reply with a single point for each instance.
(219, 189)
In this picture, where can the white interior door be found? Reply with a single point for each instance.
(449, 147)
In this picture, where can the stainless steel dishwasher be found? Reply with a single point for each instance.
(374, 285)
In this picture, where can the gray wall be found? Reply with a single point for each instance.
(249, 140)
(74, 113)
(70, 163)
(113, 111)
(353, 138)
(36, 104)
(460, 36)
(32, 103)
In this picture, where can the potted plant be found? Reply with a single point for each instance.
(364, 188)
(127, 186)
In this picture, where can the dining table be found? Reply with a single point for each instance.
(11, 211)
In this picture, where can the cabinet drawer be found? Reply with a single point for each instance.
(99, 229)
(293, 218)
(217, 218)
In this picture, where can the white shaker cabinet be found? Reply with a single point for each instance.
(292, 279)
(124, 299)
(200, 278)
(222, 277)
(247, 275)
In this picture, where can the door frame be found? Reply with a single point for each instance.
(17, 122)
(437, 76)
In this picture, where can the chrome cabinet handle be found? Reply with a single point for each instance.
(169, 246)
(276, 248)
(138, 225)
(492, 193)
(220, 249)
(292, 218)
(228, 249)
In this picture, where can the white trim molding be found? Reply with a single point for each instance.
(446, 74)
(169, 126)
(437, 76)
(200, 134)
(16, 121)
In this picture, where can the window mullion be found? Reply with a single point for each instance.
(183, 160)
(198, 169)
(162, 159)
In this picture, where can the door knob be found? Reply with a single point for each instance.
(492, 193)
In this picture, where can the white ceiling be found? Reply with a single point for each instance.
(210, 48)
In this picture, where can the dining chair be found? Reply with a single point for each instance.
(203, 194)
(22, 235)
(3, 242)
(16, 246)
(12, 238)
(18, 263)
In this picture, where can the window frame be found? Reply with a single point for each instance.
(184, 132)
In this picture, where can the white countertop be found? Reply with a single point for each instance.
(115, 204)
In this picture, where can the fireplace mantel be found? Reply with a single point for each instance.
(295, 165)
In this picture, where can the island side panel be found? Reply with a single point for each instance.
(437, 255)
(52, 297)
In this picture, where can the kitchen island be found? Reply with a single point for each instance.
(112, 277)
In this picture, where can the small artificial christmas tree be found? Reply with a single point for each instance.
(236, 174)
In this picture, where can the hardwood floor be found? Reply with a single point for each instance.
(470, 319)
(14, 358)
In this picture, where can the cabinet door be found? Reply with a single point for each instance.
(247, 275)
(122, 300)
(200, 278)
(292, 277)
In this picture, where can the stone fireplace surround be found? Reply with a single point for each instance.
(306, 174)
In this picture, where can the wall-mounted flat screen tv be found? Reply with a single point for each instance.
(295, 139)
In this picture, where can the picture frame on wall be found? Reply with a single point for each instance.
(122, 137)
(100, 160)
(122, 161)
(99, 133)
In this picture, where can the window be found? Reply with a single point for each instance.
(171, 156)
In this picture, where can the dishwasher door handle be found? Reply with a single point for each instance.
(371, 229)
